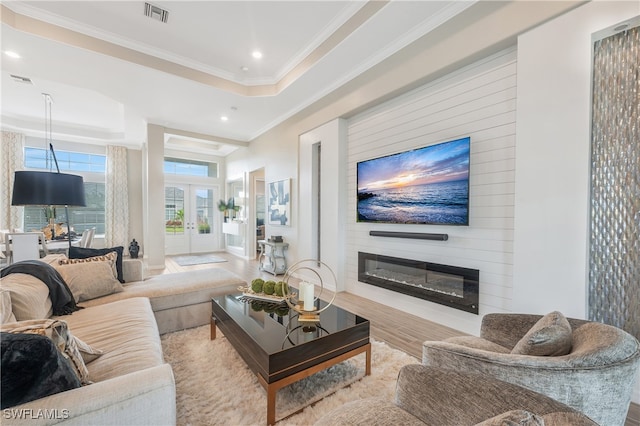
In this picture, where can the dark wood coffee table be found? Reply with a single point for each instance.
(281, 350)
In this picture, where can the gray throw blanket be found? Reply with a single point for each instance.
(59, 293)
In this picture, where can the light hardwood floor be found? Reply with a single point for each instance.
(397, 328)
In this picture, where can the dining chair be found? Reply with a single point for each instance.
(23, 246)
(90, 238)
(87, 238)
(83, 239)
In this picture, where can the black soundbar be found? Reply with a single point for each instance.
(414, 235)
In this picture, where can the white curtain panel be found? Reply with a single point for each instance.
(11, 159)
(117, 198)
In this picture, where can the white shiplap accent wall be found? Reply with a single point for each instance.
(477, 101)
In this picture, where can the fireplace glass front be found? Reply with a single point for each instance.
(448, 285)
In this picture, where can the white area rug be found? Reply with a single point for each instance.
(215, 387)
(197, 259)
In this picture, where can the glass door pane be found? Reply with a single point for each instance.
(176, 239)
(202, 219)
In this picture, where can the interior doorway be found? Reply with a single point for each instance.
(189, 219)
(257, 220)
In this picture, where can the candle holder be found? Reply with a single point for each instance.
(310, 272)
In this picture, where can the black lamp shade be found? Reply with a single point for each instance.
(47, 189)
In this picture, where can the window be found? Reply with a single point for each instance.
(35, 158)
(92, 167)
(175, 166)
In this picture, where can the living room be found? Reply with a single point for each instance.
(527, 234)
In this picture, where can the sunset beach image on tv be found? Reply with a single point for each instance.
(429, 185)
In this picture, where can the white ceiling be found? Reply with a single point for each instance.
(111, 70)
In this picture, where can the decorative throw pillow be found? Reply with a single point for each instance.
(6, 312)
(89, 280)
(32, 368)
(53, 259)
(550, 336)
(69, 345)
(82, 252)
(29, 296)
(109, 257)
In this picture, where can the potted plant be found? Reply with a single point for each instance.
(223, 207)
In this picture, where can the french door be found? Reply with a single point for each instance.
(190, 225)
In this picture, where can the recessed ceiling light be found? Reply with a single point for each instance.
(224, 118)
(621, 27)
(12, 54)
(245, 69)
(256, 54)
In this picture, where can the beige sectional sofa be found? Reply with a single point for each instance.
(131, 382)
(180, 300)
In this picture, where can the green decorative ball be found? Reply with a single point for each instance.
(269, 287)
(257, 284)
(282, 311)
(256, 305)
(281, 289)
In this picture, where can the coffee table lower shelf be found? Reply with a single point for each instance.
(272, 388)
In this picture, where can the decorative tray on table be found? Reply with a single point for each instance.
(248, 294)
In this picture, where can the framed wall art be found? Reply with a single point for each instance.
(279, 207)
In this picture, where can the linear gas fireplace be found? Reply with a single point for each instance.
(448, 285)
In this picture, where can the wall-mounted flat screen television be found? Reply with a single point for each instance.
(429, 185)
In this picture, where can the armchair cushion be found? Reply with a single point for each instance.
(478, 343)
(550, 336)
(514, 418)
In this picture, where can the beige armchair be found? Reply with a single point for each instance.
(596, 377)
(442, 397)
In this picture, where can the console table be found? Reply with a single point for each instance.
(272, 258)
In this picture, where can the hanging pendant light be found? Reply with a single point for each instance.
(36, 188)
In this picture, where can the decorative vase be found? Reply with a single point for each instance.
(134, 249)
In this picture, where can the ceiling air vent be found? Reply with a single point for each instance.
(20, 79)
(154, 12)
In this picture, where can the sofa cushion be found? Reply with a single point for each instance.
(168, 291)
(29, 297)
(88, 280)
(550, 336)
(82, 252)
(110, 257)
(62, 301)
(69, 345)
(32, 368)
(6, 312)
(125, 331)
